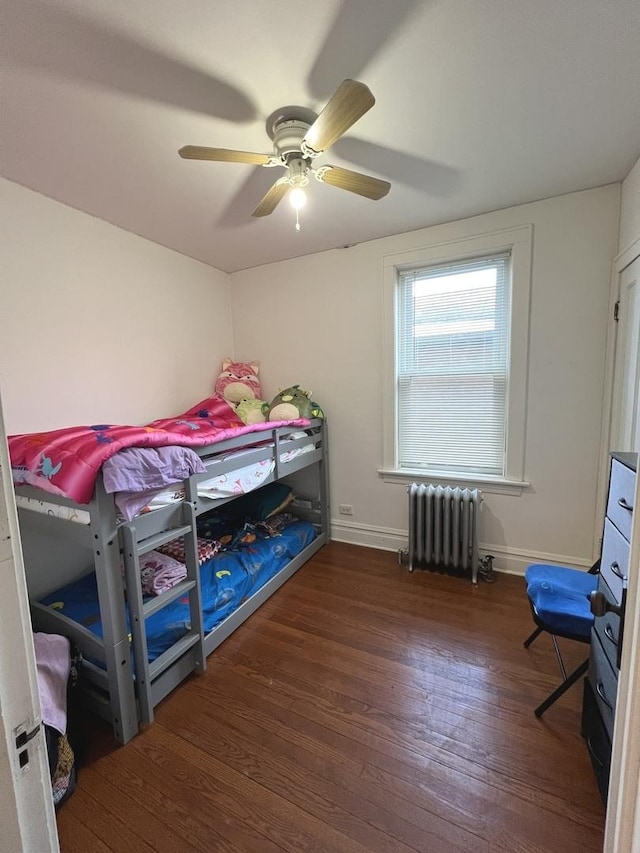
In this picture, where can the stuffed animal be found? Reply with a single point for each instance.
(251, 411)
(316, 411)
(238, 381)
(290, 404)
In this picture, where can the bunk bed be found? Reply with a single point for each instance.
(130, 660)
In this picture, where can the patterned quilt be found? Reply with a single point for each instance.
(67, 461)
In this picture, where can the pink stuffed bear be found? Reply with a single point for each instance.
(239, 381)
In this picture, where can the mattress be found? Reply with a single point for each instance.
(227, 580)
(68, 513)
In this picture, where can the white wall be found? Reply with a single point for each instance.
(98, 324)
(317, 321)
(75, 348)
(630, 208)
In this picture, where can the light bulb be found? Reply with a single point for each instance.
(297, 198)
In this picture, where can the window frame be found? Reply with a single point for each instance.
(518, 241)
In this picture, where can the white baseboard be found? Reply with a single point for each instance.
(513, 561)
(383, 538)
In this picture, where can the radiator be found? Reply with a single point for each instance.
(443, 528)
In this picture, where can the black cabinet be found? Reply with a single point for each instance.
(601, 684)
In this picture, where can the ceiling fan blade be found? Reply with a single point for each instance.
(349, 102)
(354, 182)
(226, 155)
(272, 198)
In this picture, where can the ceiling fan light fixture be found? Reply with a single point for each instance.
(297, 198)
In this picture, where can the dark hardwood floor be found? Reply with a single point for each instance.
(362, 708)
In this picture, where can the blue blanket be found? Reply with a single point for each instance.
(227, 580)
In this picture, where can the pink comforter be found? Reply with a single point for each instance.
(67, 461)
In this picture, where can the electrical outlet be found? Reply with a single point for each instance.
(345, 509)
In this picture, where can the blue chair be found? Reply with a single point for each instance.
(560, 605)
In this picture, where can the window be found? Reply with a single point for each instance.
(456, 366)
(452, 334)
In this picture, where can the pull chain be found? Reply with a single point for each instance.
(298, 228)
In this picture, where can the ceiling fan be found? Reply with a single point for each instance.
(298, 138)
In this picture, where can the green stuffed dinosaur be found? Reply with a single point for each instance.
(251, 411)
(290, 404)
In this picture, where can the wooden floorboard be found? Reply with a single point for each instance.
(362, 708)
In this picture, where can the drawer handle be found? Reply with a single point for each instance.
(615, 568)
(593, 753)
(622, 503)
(603, 695)
(608, 632)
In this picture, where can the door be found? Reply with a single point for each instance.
(27, 818)
(625, 432)
(622, 832)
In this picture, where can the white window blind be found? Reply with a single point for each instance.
(452, 359)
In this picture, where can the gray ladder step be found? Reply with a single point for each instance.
(159, 539)
(172, 654)
(159, 601)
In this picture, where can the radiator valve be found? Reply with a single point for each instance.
(485, 569)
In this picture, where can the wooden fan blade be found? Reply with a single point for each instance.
(354, 182)
(349, 102)
(272, 198)
(226, 155)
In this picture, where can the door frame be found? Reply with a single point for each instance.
(27, 813)
(622, 829)
(627, 274)
(619, 264)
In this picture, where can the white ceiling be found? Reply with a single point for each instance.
(480, 104)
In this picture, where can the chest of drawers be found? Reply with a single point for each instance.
(601, 684)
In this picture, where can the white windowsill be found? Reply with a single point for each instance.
(492, 485)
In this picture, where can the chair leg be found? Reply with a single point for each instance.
(530, 639)
(566, 684)
(559, 657)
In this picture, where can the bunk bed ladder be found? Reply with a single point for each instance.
(139, 610)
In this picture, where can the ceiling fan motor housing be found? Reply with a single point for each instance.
(288, 136)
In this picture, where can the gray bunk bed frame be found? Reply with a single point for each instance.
(114, 691)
